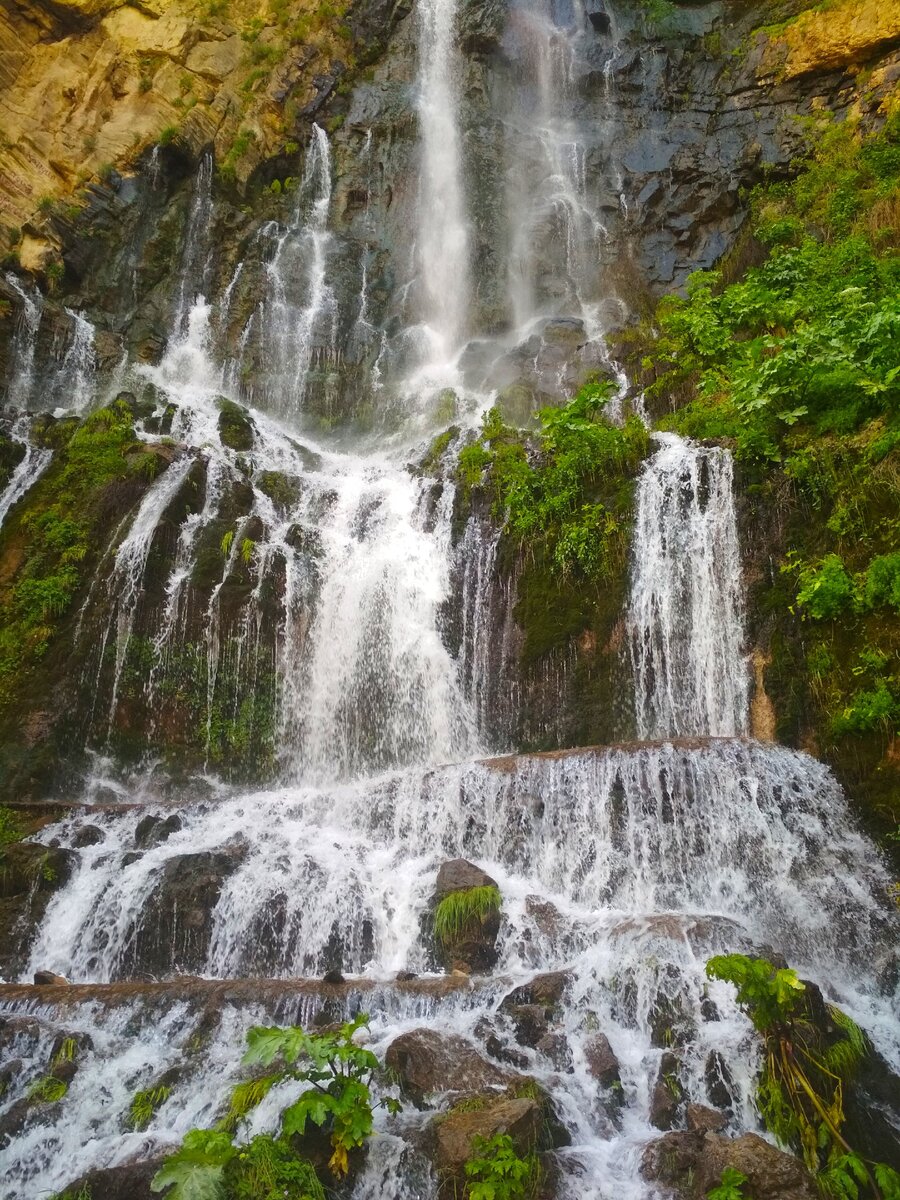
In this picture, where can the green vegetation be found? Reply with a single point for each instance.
(461, 911)
(10, 827)
(496, 1172)
(731, 1186)
(52, 542)
(47, 1090)
(793, 360)
(805, 1076)
(144, 1105)
(210, 1166)
(573, 497)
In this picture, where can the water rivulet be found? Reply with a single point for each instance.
(285, 591)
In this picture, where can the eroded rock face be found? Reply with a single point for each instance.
(692, 1163)
(429, 1063)
(176, 923)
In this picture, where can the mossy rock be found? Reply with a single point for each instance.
(283, 490)
(235, 427)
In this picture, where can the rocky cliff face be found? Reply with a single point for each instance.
(201, 121)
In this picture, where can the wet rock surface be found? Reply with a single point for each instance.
(692, 1163)
(428, 1063)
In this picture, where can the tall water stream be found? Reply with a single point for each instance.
(625, 866)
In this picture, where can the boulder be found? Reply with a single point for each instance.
(473, 949)
(691, 1163)
(546, 989)
(176, 925)
(152, 830)
(521, 1119)
(428, 1063)
(601, 1060)
(459, 875)
(666, 1094)
(701, 1119)
(129, 1181)
(48, 979)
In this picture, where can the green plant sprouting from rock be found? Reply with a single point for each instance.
(804, 1076)
(731, 1186)
(464, 910)
(496, 1172)
(145, 1103)
(572, 494)
(210, 1165)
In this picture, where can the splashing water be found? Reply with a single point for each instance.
(27, 471)
(685, 617)
(21, 366)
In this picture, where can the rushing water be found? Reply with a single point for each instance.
(686, 611)
(27, 471)
(626, 867)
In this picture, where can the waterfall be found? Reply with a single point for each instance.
(304, 585)
(73, 386)
(379, 688)
(21, 366)
(193, 274)
(27, 471)
(685, 617)
(442, 236)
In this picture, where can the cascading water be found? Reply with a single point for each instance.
(27, 471)
(320, 578)
(21, 367)
(686, 611)
(442, 238)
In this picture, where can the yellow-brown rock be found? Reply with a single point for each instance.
(834, 37)
(84, 83)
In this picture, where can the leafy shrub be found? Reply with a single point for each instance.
(10, 827)
(826, 590)
(496, 1172)
(882, 586)
(463, 910)
(209, 1165)
(569, 496)
(804, 1077)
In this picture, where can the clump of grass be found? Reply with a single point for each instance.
(144, 1105)
(461, 911)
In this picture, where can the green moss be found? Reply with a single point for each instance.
(50, 546)
(235, 426)
(281, 490)
(464, 910)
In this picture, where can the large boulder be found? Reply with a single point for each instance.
(473, 948)
(176, 923)
(521, 1119)
(691, 1163)
(428, 1063)
(534, 1007)
(459, 875)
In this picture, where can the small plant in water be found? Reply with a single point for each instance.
(496, 1172)
(463, 910)
(144, 1105)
